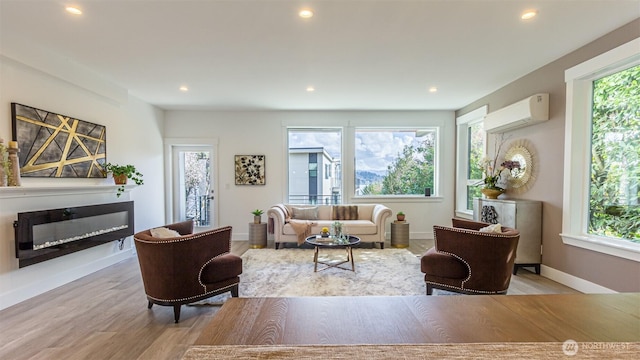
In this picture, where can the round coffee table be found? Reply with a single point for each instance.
(333, 242)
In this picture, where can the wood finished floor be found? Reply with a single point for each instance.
(104, 316)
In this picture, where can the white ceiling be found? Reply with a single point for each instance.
(258, 54)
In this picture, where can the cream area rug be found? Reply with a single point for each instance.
(289, 272)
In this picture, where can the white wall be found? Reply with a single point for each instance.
(263, 132)
(134, 135)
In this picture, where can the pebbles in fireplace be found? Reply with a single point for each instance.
(47, 234)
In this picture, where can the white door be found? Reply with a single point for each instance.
(193, 190)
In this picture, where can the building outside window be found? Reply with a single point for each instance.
(314, 157)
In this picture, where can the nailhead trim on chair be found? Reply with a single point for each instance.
(462, 230)
(195, 296)
(186, 237)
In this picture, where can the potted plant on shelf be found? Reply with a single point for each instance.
(400, 216)
(257, 216)
(121, 173)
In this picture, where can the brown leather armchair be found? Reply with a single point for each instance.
(468, 261)
(187, 268)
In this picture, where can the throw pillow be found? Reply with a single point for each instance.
(308, 213)
(495, 228)
(349, 212)
(163, 232)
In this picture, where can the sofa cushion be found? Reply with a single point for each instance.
(306, 213)
(352, 227)
(349, 212)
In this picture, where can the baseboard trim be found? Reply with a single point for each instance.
(574, 282)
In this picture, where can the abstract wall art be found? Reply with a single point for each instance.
(54, 145)
(250, 169)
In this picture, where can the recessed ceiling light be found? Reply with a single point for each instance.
(311, 89)
(73, 10)
(433, 89)
(305, 13)
(529, 14)
(184, 88)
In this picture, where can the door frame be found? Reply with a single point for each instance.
(169, 144)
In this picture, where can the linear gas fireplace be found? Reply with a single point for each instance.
(47, 234)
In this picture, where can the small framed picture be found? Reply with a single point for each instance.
(250, 169)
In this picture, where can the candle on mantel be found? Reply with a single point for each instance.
(13, 144)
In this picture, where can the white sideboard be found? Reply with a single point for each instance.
(524, 215)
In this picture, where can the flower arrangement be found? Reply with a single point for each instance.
(493, 173)
(336, 228)
(324, 231)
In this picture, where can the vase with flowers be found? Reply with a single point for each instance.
(493, 173)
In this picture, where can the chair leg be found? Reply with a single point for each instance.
(234, 290)
(176, 312)
(429, 289)
(149, 305)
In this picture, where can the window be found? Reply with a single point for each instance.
(311, 152)
(395, 161)
(470, 152)
(614, 193)
(601, 154)
(475, 153)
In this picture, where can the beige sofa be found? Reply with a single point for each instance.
(368, 224)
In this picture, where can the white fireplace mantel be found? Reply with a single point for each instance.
(8, 192)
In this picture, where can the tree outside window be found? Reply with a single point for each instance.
(614, 204)
(475, 154)
(394, 162)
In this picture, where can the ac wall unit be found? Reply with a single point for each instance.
(532, 110)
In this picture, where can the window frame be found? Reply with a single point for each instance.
(463, 125)
(575, 210)
(436, 160)
(319, 171)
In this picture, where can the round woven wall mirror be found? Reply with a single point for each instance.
(519, 178)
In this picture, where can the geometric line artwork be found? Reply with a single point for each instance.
(54, 145)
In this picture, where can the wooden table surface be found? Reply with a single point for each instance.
(425, 319)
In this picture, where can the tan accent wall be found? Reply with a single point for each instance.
(547, 140)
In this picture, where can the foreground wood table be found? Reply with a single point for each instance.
(425, 319)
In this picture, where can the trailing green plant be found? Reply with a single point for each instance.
(124, 170)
